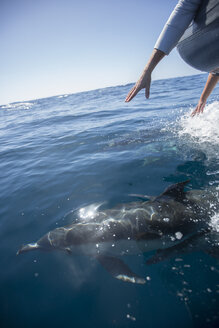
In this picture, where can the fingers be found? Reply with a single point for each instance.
(132, 93)
(147, 89)
(202, 107)
(199, 109)
(195, 111)
(143, 82)
(137, 87)
(147, 93)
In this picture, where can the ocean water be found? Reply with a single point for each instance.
(64, 153)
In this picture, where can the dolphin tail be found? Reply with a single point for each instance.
(27, 248)
(119, 270)
(162, 255)
(186, 246)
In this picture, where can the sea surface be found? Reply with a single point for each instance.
(67, 152)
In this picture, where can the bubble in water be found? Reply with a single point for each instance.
(178, 235)
(187, 265)
(128, 316)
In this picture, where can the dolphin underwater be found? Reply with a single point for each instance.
(174, 222)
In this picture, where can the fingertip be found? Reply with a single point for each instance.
(147, 94)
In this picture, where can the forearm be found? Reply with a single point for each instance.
(209, 86)
(155, 58)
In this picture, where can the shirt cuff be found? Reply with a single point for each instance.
(168, 39)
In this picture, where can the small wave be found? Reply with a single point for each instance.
(21, 105)
(204, 127)
(63, 96)
(199, 134)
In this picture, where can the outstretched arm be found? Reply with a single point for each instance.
(209, 86)
(174, 28)
(145, 79)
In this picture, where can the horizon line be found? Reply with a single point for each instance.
(112, 86)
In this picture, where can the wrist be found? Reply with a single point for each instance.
(148, 69)
(203, 99)
(155, 58)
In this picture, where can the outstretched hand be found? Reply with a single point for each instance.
(199, 108)
(143, 82)
(209, 87)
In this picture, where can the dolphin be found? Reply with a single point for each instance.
(170, 223)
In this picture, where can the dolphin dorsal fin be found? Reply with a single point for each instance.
(176, 190)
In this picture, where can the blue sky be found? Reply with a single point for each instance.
(51, 47)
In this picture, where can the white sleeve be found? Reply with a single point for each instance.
(179, 20)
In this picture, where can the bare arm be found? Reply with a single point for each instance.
(145, 79)
(209, 86)
(177, 23)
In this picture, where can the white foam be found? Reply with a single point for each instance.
(214, 223)
(204, 127)
(62, 96)
(20, 105)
